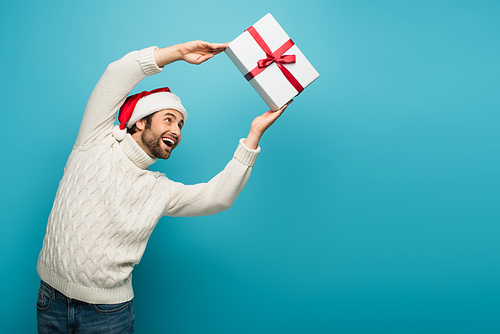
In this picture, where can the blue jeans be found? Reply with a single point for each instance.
(57, 313)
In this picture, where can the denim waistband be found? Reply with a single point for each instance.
(53, 293)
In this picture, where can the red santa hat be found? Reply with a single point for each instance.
(143, 104)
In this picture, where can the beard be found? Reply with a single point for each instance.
(152, 141)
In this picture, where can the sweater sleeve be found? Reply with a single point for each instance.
(119, 78)
(216, 195)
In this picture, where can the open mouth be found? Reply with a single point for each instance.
(169, 142)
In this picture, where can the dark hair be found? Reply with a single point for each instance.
(147, 120)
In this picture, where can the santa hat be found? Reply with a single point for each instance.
(143, 104)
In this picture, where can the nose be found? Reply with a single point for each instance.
(176, 130)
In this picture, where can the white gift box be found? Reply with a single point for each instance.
(274, 85)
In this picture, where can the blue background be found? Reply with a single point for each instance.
(373, 207)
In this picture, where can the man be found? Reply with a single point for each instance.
(108, 201)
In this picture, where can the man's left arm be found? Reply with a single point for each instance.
(216, 195)
(221, 191)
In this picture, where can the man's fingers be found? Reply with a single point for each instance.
(287, 104)
(219, 45)
(282, 109)
(216, 47)
(205, 58)
(274, 115)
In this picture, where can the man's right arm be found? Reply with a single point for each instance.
(124, 74)
(194, 52)
(119, 78)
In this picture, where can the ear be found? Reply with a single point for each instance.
(140, 125)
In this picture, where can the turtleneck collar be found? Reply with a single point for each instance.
(136, 153)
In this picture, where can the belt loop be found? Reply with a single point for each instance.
(52, 293)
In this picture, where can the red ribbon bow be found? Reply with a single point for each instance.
(287, 59)
(277, 57)
(128, 106)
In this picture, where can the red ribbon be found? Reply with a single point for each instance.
(277, 57)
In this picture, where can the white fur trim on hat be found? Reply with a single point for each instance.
(119, 134)
(155, 102)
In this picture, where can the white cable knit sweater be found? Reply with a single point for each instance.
(108, 201)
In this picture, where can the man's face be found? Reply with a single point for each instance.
(163, 135)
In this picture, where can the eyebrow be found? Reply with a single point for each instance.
(169, 114)
(175, 117)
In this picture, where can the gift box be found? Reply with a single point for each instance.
(271, 62)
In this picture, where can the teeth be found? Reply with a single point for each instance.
(168, 141)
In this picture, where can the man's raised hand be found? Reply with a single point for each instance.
(194, 52)
(260, 124)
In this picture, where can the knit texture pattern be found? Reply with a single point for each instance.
(108, 201)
